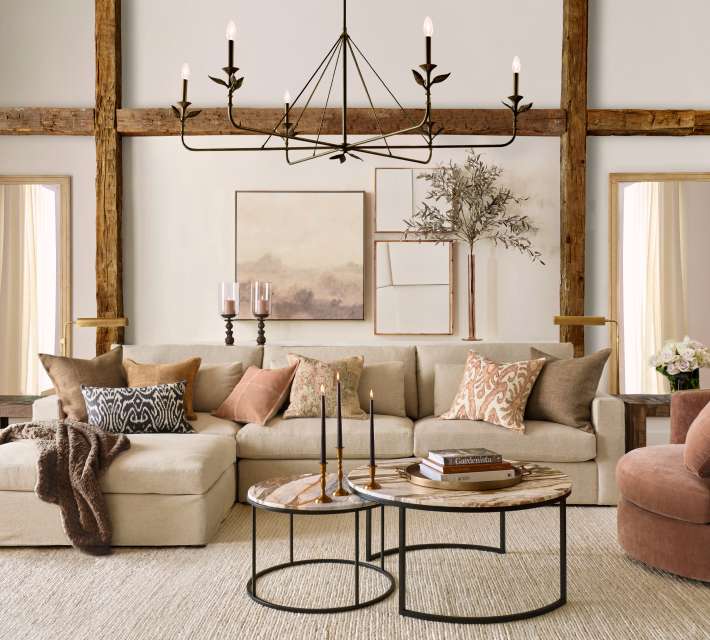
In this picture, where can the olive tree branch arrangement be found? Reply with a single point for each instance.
(466, 203)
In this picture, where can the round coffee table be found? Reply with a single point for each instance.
(295, 495)
(543, 486)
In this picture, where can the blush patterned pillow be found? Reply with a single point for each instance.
(493, 392)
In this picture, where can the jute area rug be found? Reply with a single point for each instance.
(175, 593)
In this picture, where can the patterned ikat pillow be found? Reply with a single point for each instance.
(156, 409)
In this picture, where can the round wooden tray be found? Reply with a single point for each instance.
(413, 475)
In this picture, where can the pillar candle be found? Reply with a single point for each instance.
(372, 430)
(229, 307)
(322, 424)
(339, 415)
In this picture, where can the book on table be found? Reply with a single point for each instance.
(469, 476)
(466, 465)
(447, 457)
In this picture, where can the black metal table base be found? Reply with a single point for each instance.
(356, 563)
(403, 549)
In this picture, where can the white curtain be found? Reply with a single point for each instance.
(653, 279)
(28, 285)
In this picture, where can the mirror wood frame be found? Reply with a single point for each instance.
(65, 243)
(452, 290)
(615, 179)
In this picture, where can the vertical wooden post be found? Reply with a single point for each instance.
(573, 167)
(109, 268)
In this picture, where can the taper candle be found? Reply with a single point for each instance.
(372, 430)
(322, 424)
(516, 75)
(339, 414)
(231, 34)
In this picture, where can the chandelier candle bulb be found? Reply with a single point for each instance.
(231, 33)
(428, 29)
(516, 74)
(185, 75)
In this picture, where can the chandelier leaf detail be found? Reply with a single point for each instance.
(343, 55)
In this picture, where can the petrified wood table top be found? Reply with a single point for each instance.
(300, 492)
(543, 484)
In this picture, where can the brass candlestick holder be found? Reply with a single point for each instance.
(323, 498)
(340, 491)
(373, 484)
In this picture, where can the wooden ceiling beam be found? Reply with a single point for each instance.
(573, 168)
(109, 173)
(648, 122)
(46, 121)
(214, 121)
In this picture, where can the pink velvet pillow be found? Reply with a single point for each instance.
(696, 454)
(258, 395)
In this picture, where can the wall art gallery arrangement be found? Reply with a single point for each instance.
(309, 245)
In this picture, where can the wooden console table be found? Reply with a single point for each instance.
(639, 407)
(15, 407)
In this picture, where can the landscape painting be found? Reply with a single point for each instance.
(309, 245)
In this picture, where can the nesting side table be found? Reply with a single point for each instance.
(295, 495)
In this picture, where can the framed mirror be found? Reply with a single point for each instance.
(35, 278)
(413, 287)
(659, 226)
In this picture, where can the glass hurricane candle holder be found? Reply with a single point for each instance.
(261, 307)
(228, 307)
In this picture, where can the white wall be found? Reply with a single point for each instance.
(179, 242)
(642, 53)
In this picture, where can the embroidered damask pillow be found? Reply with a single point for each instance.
(156, 409)
(311, 374)
(493, 392)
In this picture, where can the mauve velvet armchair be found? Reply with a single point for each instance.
(664, 508)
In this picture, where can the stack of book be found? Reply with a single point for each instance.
(466, 465)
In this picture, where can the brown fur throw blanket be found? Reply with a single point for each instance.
(72, 458)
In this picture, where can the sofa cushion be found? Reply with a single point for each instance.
(429, 355)
(210, 425)
(277, 356)
(447, 380)
(657, 480)
(541, 442)
(386, 379)
(213, 383)
(163, 463)
(299, 438)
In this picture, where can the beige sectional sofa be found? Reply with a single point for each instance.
(176, 489)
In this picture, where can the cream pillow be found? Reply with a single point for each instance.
(495, 393)
(386, 379)
(214, 383)
(311, 374)
(447, 379)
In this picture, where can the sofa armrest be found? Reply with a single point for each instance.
(609, 425)
(47, 408)
(685, 406)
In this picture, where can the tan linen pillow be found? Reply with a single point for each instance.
(564, 390)
(68, 374)
(148, 375)
(696, 453)
(447, 380)
(386, 379)
(258, 396)
(311, 374)
(493, 392)
(213, 383)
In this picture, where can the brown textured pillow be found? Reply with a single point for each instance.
(565, 389)
(258, 396)
(68, 374)
(149, 375)
(311, 374)
(696, 454)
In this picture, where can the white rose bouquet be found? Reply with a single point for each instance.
(681, 362)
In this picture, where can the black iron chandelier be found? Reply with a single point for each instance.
(343, 52)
